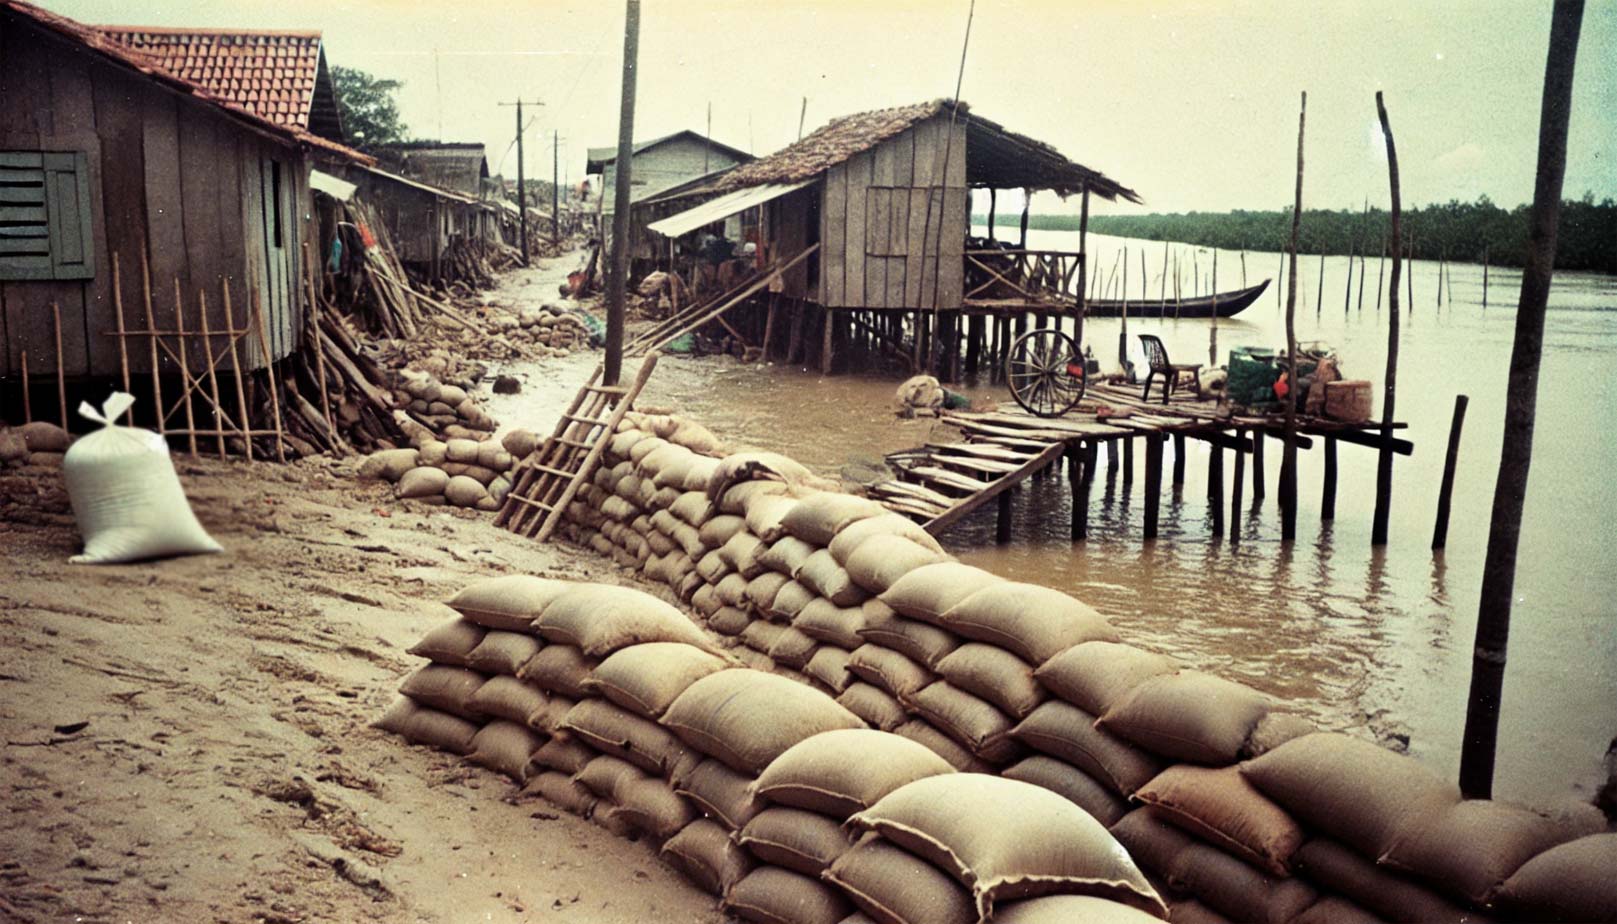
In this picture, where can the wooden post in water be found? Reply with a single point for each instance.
(1212, 331)
(1319, 297)
(1347, 291)
(1327, 499)
(1257, 467)
(1153, 482)
(1380, 266)
(1128, 462)
(1178, 461)
(1411, 276)
(1235, 492)
(1440, 532)
(1288, 459)
(1027, 203)
(1163, 294)
(1243, 267)
(1215, 488)
(1111, 458)
(1176, 286)
(1280, 278)
(1083, 262)
(1521, 398)
(1123, 329)
(992, 201)
(1442, 268)
(1360, 307)
(1002, 521)
(1378, 525)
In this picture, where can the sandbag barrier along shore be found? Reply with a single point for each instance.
(1231, 808)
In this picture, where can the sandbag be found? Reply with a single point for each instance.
(1354, 791)
(927, 592)
(712, 567)
(1333, 910)
(1073, 784)
(1004, 840)
(1191, 911)
(765, 513)
(838, 773)
(952, 751)
(877, 707)
(1237, 890)
(652, 807)
(450, 643)
(762, 590)
(563, 755)
(888, 670)
(1188, 715)
(921, 642)
(1035, 623)
(729, 620)
(994, 674)
(1153, 841)
(748, 718)
(851, 536)
(825, 621)
(1073, 909)
(421, 483)
(794, 839)
(881, 561)
(821, 574)
(771, 895)
(1067, 732)
(559, 669)
(894, 886)
(560, 790)
(502, 652)
(447, 689)
(754, 469)
(600, 619)
(719, 791)
(704, 853)
(829, 668)
(741, 552)
(738, 497)
(761, 636)
(549, 717)
(972, 722)
(125, 495)
(646, 679)
(719, 529)
(465, 491)
(620, 733)
(786, 555)
(1336, 868)
(705, 600)
(388, 464)
(603, 773)
(511, 602)
(818, 517)
(791, 648)
(1572, 882)
(789, 601)
(1095, 675)
(43, 436)
(694, 508)
(505, 747)
(503, 697)
(419, 724)
(1469, 849)
(1221, 807)
(1275, 729)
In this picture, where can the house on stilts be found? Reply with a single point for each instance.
(864, 236)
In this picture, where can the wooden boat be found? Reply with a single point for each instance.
(1228, 303)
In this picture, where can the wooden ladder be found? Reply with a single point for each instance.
(549, 479)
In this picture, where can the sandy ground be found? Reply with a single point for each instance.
(189, 741)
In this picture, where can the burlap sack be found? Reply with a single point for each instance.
(1036, 623)
(893, 885)
(646, 679)
(1067, 732)
(793, 839)
(1222, 808)
(720, 792)
(748, 718)
(771, 895)
(1095, 675)
(704, 853)
(1073, 784)
(511, 602)
(921, 642)
(838, 773)
(450, 643)
(995, 675)
(419, 724)
(878, 708)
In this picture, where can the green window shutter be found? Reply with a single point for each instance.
(25, 247)
(67, 194)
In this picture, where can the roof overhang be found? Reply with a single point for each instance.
(723, 207)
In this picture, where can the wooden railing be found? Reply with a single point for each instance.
(1037, 275)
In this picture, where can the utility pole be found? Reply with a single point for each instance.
(555, 185)
(522, 188)
(617, 278)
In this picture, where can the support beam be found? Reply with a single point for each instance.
(1178, 461)
(1235, 498)
(1153, 483)
(1327, 498)
(1215, 489)
(1002, 523)
(1257, 467)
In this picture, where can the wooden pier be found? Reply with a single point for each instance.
(940, 484)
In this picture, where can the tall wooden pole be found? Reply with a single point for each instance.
(522, 189)
(993, 204)
(1288, 460)
(555, 185)
(1083, 263)
(1521, 398)
(1440, 531)
(1027, 203)
(1378, 525)
(1212, 336)
(617, 277)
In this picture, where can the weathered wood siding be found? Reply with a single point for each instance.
(893, 223)
(668, 164)
(172, 178)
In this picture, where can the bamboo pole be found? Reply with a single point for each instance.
(1381, 265)
(123, 342)
(1288, 464)
(151, 325)
(1378, 527)
(1212, 336)
(213, 378)
(1521, 399)
(1360, 307)
(185, 369)
(27, 404)
(1347, 291)
(235, 364)
(61, 374)
(1440, 531)
(1319, 296)
(1163, 295)
(1123, 329)
(1243, 267)
(1411, 276)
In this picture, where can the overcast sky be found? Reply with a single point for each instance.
(1193, 103)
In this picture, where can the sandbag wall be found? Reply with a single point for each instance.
(1237, 809)
(763, 791)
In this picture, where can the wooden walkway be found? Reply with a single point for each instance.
(939, 484)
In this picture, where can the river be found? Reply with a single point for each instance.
(1373, 639)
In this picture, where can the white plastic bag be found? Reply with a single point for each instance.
(125, 494)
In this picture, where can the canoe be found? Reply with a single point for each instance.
(1228, 304)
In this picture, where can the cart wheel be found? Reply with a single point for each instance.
(1045, 372)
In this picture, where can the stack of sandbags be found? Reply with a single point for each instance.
(458, 472)
(446, 409)
(37, 443)
(553, 329)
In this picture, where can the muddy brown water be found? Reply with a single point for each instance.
(1373, 639)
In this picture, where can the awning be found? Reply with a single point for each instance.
(341, 190)
(723, 207)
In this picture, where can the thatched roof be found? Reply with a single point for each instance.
(995, 156)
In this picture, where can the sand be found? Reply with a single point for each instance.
(188, 740)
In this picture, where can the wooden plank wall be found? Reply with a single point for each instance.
(170, 177)
(889, 226)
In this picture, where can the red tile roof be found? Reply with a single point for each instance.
(268, 73)
(118, 53)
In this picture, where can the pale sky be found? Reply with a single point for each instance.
(1193, 103)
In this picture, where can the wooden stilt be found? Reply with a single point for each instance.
(213, 378)
(826, 332)
(1153, 483)
(1235, 493)
(769, 326)
(123, 342)
(1215, 488)
(1178, 461)
(1075, 478)
(1258, 492)
(1327, 498)
(1128, 462)
(1440, 532)
(185, 368)
(151, 325)
(240, 373)
(61, 373)
(1111, 458)
(1002, 522)
(1380, 519)
(794, 339)
(27, 402)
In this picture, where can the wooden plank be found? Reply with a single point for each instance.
(119, 105)
(954, 224)
(165, 232)
(994, 489)
(878, 212)
(924, 164)
(859, 170)
(834, 232)
(200, 191)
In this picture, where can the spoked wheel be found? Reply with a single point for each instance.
(1046, 372)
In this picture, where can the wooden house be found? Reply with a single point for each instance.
(877, 204)
(662, 162)
(124, 182)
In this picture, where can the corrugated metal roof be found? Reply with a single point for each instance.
(723, 207)
(461, 166)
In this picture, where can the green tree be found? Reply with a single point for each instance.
(370, 117)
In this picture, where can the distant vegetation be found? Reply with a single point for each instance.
(1456, 230)
(370, 115)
